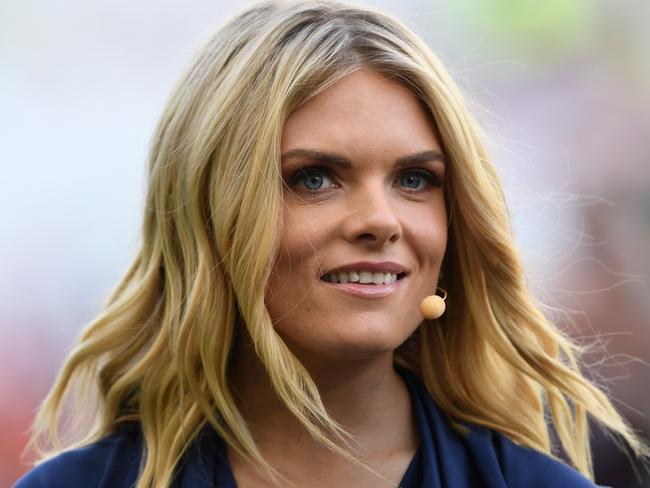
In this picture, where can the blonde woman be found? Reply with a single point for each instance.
(315, 182)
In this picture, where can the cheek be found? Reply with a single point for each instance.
(306, 231)
(427, 230)
(296, 266)
(301, 237)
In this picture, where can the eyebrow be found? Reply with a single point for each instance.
(337, 159)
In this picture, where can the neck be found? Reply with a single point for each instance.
(366, 397)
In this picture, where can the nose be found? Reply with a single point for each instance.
(372, 218)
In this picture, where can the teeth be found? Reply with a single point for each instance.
(365, 277)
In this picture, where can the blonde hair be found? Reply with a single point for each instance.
(159, 352)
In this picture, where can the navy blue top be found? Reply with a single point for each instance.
(444, 459)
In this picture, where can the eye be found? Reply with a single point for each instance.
(417, 179)
(312, 179)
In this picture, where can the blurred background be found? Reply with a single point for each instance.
(562, 89)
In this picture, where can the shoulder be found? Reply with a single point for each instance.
(523, 466)
(488, 454)
(110, 462)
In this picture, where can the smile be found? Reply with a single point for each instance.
(363, 277)
(379, 287)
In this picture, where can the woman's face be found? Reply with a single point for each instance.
(363, 172)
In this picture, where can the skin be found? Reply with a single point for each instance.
(371, 211)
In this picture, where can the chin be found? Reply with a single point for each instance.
(352, 343)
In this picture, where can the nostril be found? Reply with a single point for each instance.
(367, 237)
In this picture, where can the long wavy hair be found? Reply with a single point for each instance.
(159, 352)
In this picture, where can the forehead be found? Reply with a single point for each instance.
(363, 112)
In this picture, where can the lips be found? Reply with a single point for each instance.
(371, 290)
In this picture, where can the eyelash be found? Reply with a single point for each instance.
(431, 180)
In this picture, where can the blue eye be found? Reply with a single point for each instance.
(312, 178)
(316, 179)
(415, 180)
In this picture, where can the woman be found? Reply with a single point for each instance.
(313, 179)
